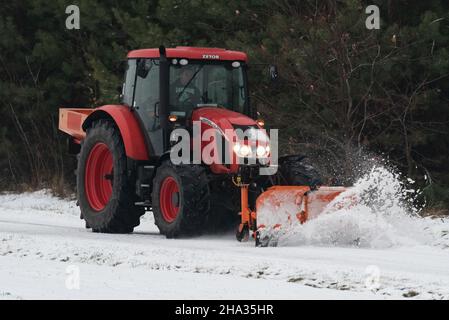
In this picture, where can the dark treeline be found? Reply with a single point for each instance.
(343, 90)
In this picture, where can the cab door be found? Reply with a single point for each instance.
(146, 102)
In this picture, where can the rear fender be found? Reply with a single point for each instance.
(128, 125)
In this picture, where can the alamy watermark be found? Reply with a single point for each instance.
(372, 280)
(209, 144)
(373, 19)
(73, 20)
(72, 281)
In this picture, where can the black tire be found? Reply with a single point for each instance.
(120, 214)
(298, 171)
(193, 199)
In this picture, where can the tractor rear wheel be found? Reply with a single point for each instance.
(181, 199)
(105, 195)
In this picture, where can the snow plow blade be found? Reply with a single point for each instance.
(282, 207)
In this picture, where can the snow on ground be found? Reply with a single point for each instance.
(42, 242)
(46, 280)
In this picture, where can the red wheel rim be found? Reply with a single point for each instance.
(169, 199)
(98, 176)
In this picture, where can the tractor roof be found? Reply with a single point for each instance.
(191, 53)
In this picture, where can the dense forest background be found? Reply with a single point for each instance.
(344, 91)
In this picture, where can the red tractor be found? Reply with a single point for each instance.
(124, 164)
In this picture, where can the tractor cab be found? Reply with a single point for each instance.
(165, 87)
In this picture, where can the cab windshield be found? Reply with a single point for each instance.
(197, 83)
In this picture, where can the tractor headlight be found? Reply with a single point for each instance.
(245, 151)
(236, 148)
(242, 150)
(263, 151)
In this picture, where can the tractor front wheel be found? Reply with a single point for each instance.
(180, 199)
(298, 171)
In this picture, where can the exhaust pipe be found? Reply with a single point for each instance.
(164, 95)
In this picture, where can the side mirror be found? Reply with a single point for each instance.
(143, 67)
(273, 71)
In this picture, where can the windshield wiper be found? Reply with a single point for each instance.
(190, 80)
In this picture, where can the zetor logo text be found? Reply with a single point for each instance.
(211, 56)
(207, 143)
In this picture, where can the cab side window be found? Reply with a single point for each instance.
(147, 86)
(128, 86)
(146, 101)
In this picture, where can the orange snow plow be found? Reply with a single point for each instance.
(281, 207)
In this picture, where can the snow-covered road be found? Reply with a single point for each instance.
(44, 247)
